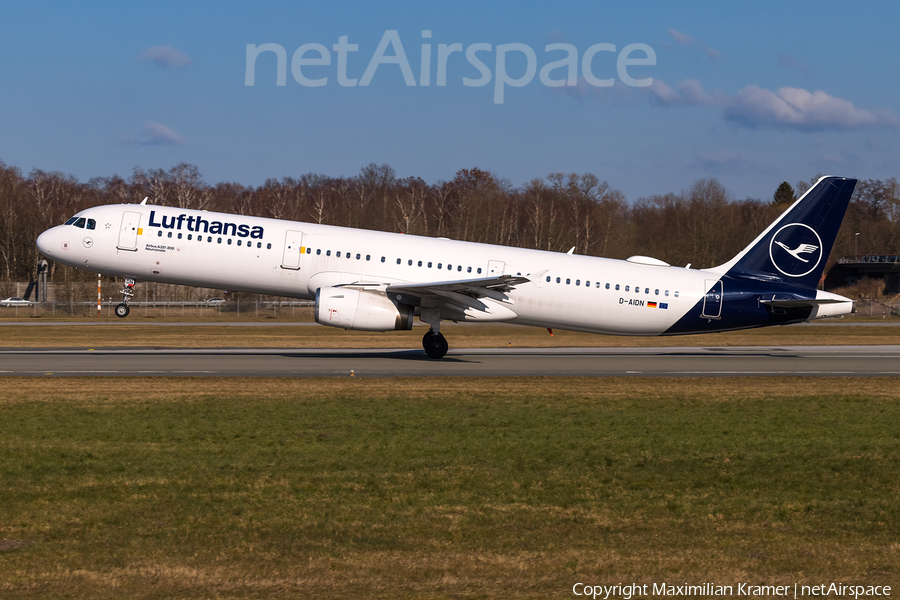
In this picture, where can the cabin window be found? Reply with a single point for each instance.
(479, 270)
(469, 270)
(398, 261)
(241, 242)
(328, 253)
(358, 256)
(617, 287)
(269, 246)
(382, 259)
(449, 267)
(548, 279)
(409, 263)
(577, 282)
(259, 244)
(656, 292)
(179, 237)
(159, 234)
(91, 224)
(459, 268)
(558, 280)
(667, 292)
(220, 240)
(338, 254)
(170, 234)
(627, 288)
(676, 294)
(568, 281)
(368, 257)
(308, 250)
(429, 264)
(646, 290)
(190, 238)
(229, 241)
(440, 265)
(587, 284)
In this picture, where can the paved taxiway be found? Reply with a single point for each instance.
(848, 361)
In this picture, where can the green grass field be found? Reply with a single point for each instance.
(449, 488)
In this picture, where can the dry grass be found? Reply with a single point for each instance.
(91, 391)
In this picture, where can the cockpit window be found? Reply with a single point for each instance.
(79, 223)
(70, 221)
(91, 224)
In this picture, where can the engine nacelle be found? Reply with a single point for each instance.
(349, 308)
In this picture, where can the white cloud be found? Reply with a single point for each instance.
(752, 107)
(795, 108)
(165, 56)
(689, 92)
(683, 39)
(153, 134)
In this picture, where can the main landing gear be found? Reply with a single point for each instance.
(435, 345)
(122, 309)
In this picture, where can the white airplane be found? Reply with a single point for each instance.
(377, 281)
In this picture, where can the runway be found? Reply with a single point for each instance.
(841, 361)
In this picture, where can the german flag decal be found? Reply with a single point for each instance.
(651, 304)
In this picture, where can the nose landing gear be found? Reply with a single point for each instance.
(122, 309)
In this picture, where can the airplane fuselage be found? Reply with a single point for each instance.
(295, 259)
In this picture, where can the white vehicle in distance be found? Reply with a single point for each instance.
(214, 301)
(15, 302)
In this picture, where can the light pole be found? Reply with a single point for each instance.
(856, 244)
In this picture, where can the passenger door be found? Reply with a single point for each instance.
(128, 233)
(712, 301)
(290, 259)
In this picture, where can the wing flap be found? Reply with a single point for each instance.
(484, 298)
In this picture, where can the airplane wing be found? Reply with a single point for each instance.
(482, 299)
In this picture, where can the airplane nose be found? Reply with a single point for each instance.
(45, 243)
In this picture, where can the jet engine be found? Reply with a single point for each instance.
(350, 308)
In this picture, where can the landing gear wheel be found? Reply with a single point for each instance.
(122, 310)
(435, 345)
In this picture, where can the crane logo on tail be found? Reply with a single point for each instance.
(801, 249)
(796, 249)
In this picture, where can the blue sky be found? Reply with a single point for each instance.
(750, 93)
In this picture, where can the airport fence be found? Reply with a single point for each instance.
(230, 310)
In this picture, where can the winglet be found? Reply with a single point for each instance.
(144, 201)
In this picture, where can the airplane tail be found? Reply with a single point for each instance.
(796, 246)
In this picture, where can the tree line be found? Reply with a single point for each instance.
(703, 225)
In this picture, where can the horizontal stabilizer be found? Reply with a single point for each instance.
(800, 303)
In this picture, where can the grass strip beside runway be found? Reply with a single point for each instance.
(343, 488)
